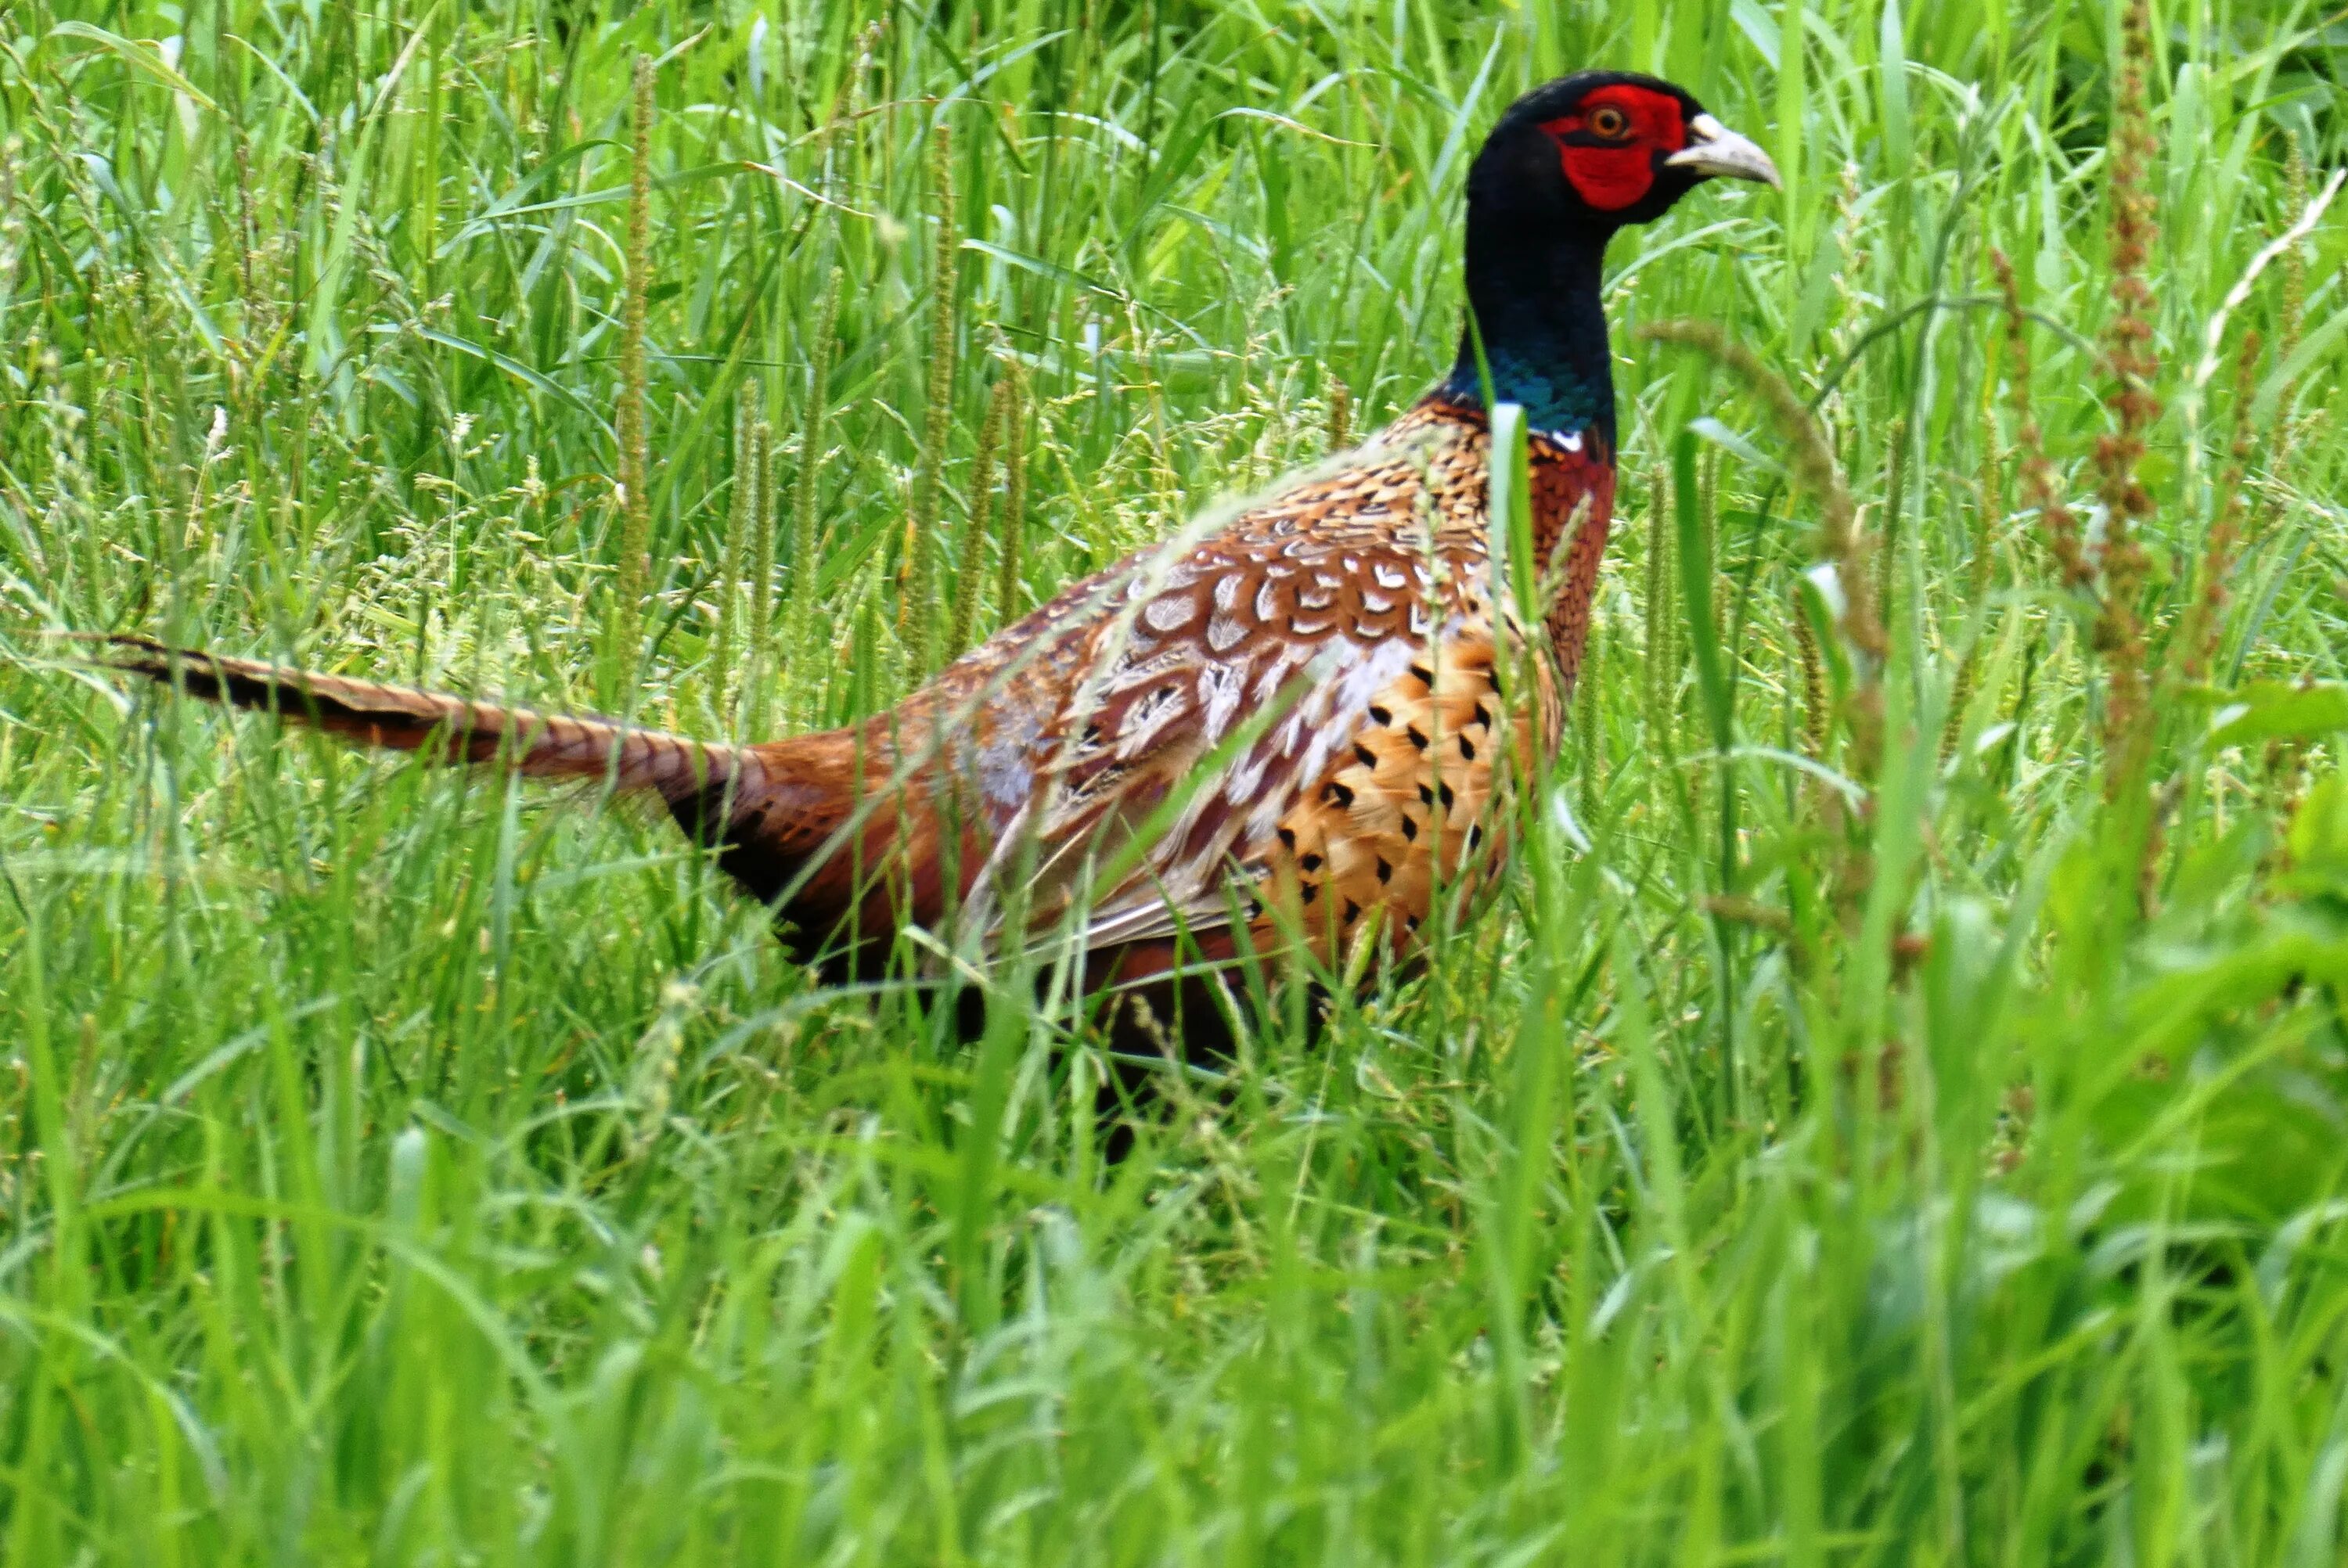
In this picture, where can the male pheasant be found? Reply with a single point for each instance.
(1281, 725)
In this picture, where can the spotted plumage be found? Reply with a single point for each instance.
(1290, 723)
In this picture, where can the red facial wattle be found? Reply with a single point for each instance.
(1610, 144)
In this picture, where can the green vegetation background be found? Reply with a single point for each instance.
(1898, 1115)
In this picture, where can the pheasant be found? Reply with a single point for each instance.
(1282, 726)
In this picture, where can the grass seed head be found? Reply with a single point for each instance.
(635, 580)
(917, 610)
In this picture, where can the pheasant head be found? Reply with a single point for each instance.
(1568, 165)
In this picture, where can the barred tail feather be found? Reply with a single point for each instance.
(403, 718)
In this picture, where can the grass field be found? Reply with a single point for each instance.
(1898, 1115)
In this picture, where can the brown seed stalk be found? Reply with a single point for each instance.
(2129, 367)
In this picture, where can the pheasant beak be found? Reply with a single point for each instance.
(1713, 150)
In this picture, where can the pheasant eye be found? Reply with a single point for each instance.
(1608, 120)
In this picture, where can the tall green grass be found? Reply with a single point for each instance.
(1884, 1123)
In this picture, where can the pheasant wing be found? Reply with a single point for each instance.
(1238, 677)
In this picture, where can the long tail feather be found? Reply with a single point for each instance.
(403, 718)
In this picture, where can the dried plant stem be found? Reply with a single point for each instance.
(745, 516)
(800, 615)
(917, 610)
(636, 463)
(765, 453)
